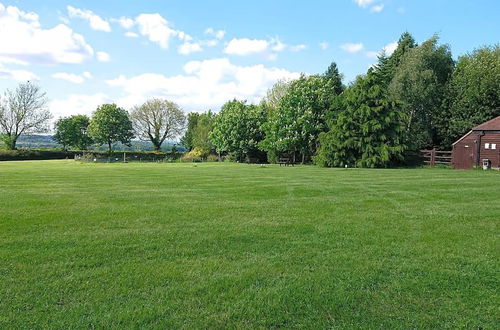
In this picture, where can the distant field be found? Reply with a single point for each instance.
(244, 246)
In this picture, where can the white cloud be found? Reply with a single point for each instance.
(95, 21)
(18, 75)
(189, 47)
(377, 8)
(130, 34)
(246, 46)
(390, 48)
(297, 48)
(156, 29)
(364, 3)
(217, 34)
(103, 57)
(125, 22)
(77, 104)
(22, 39)
(372, 54)
(71, 77)
(278, 45)
(204, 84)
(324, 45)
(352, 47)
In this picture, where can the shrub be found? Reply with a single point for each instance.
(35, 154)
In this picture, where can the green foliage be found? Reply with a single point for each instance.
(237, 129)
(300, 116)
(23, 111)
(473, 94)
(368, 132)
(202, 131)
(157, 120)
(332, 74)
(34, 154)
(192, 122)
(73, 132)
(110, 124)
(419, 84)
(387, 65)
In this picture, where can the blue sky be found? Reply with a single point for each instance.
(203, 53)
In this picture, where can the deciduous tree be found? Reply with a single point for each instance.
(110, 124)
(157, 120)
(73, 132)
(23, 111)
(237, 129)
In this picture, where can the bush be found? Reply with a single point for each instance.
(35, 154)
(130, 156)
(212, 158)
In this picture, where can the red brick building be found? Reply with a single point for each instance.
(482, 143)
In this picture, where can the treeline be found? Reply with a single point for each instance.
(417, 97)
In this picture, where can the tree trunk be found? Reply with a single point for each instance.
(109, 147)
(303, 157)
(156, 146)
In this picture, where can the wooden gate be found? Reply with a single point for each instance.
(435, 157)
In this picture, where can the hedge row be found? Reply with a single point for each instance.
(33, 154)
(36, 154)
(130, 156)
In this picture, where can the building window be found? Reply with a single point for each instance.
(486, 146)
(493, 146)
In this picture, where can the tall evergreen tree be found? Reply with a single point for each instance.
(335, 77)
(368, 132)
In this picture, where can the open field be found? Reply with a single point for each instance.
(244, 246)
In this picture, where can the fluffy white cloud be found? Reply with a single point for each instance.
(352, 47)
(71, 77)
(324, 45)
(377, 8)
(22, 39)
(125, 22)
(204, 84)
(103, 57)
(156, 29)
(189, 47)
(95, 21)
(18, 75)
(130, 34)
(246, 46)
(78, 104)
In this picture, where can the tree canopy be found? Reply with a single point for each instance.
(23, 111)
(110, 124)
(73, 132)
(157, 120)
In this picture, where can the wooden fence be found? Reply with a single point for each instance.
(433, 157)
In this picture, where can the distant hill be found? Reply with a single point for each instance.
(46, 141)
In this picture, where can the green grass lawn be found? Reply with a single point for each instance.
(243, 246)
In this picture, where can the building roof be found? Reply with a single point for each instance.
(490, 125)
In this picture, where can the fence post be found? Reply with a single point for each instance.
(433, 157)
(124, 158)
